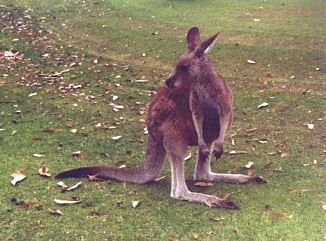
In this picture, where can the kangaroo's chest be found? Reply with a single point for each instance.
(204, 96)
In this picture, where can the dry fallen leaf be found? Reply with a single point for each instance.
(55, 212)
(74, 186)
(115, 138)
(32, 94)
(23, 204)
(141, 80)
(297, 191)
(252, 130)
(95, 213)
(233, 152)
(283, 154)
(217, 218)
(74, 131)
(65, 188)
(38, 155)
(310, 126)
(264, 104)
(62, 184)
(145, 131)
(203, 184)
(279, 215)
(249, 165)
(64, 202)
(76, 153)
(135, 204)
(44, 171)
(159, 178)
(17, 177)
(187, 157)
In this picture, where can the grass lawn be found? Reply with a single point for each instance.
(79, 62)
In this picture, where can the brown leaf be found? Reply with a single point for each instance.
(56, 212)
(250, 172)
(52, 130)
(297, 191)
(95, 213)
(44, 171)
(217, 218)
(279, 215)
(203, 184)
(227, 196)
(23, 204)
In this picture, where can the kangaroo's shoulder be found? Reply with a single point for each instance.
(167, 103)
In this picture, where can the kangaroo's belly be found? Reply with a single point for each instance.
(170, 112)
(211, 127)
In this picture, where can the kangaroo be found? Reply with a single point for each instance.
(193, 109)
(208, 90)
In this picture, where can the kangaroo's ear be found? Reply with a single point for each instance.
(207, 45)
(193, 38)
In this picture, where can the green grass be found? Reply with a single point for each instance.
(288, 41)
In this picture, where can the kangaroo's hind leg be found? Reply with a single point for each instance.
(203, 173)
(179, 190)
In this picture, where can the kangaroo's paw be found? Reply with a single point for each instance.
(218, 151)
(225, 203)
(257, 180)
(203, 151)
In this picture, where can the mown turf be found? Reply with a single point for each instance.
(79, 54)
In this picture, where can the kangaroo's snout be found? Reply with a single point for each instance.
(170, 82)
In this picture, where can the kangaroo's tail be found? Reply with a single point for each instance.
(147, 172)
(137, 175)
(79, 172)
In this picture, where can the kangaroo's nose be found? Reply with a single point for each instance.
(170, 82)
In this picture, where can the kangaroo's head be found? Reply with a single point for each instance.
(188, 67)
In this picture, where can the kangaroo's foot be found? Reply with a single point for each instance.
(209, 200)
(231, 178)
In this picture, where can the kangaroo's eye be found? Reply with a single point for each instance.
(183, 68)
